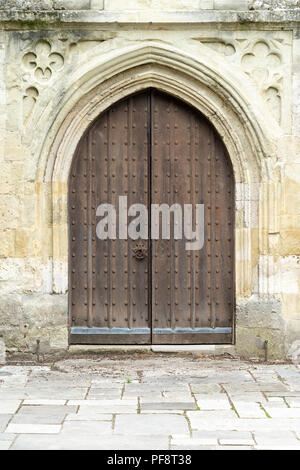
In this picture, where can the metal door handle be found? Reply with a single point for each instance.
(139, 252)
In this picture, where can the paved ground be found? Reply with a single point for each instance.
(150, 402)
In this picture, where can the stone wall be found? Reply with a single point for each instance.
(60, 69)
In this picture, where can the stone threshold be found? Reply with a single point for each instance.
(210, 349)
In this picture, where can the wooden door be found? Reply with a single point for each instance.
(153, 149)
(193, 291)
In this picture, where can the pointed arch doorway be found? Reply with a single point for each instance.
(154, 149)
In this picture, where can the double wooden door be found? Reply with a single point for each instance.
(152, 149)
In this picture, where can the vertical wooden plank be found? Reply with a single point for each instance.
(161, 192)
(101, 265)
(139, 151)
(78, 237)
(193, 201)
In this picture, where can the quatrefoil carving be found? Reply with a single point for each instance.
(43, 62)
(260, 61)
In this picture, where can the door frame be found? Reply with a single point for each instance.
(246, 132)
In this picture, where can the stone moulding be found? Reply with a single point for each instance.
(43, 19)
(245, 130)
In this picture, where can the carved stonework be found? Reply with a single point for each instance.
(266, 60)
(43, 62)
(29, 102)
(262, 63)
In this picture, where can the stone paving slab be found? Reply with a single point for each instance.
(255, 387)
(104, 409)
(97, 394)
(176, 412)
(150, 402)
(248, 397)
(7, 437)
(153, 397)
(248, 409)
(283, 412)
(33, 428)
(199, 418)
(42, 414)
(83, 416)
(72, 442)
(169, 406)
(213, 402)
(87, 428)
(61, 393)
(185, 442)
(4, 419)
(293, 402)
(9, 406)
(44, 402)
(206, 388)
(164, 424)
(5, 445)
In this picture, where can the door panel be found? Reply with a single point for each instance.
(110, 302)
(151, 148)
(192, 290)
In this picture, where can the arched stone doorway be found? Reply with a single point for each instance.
(153, 149)
(248, 140)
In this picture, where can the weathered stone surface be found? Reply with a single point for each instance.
(24, 319)
(33, 428)
(259, 313)
(43, 414)
(151, 424)
(37, 5)
(8, 406)
(2, 351)
(55, 425)
(4, 419)
(90, 441)
(213, 402)
(273, 4)
(168, 406)
(26, 4)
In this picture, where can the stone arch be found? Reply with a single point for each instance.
(243, 128)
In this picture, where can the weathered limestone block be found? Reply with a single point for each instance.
(177, 5)
(248, 339)
(231, 4)
(40, 5)
(259, 313)
(71, 4)
(290, 306)
(9, 211)
(273, 4)
(26, 4)
(26, 319)
(7, 243)
(292, 332)
(28, 274)
(96, 4)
